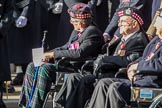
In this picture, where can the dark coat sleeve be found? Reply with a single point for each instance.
(90, 43)
(154, 64)
(27, 11)
(5, 74)
(113, 25)
(24, 9)
(134, 49)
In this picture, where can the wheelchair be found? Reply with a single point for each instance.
(65, 66)
(143, 97)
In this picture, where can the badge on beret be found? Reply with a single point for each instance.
(128, 11)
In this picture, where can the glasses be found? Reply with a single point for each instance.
(72, 20)
(124, 22)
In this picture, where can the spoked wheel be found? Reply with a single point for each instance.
(157, 103)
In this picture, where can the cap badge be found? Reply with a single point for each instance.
(79, 6)
(128, 11)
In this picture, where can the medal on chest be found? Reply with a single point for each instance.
(150, 56)
(74, 45)
(122, 51)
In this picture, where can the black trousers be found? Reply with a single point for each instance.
(111, 93)
(76, 90)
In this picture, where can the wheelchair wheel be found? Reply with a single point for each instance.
(157, 103)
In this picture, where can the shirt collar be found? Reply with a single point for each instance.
(128, 36)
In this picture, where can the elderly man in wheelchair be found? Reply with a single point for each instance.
(85, 41)
(79, 87)
(144, 72)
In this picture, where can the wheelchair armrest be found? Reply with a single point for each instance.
(106, 65)
(68, 60)
(74, 63)
(146, 72)
(62, 60)
(87, 63)
(121, 71)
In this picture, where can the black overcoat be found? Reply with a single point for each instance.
(101, 16)
(21, 39)
(44, 19)
(5, 74)
(90, 44)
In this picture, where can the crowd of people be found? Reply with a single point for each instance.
(77, 29)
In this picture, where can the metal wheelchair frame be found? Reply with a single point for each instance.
(142, 97)
(55, 87)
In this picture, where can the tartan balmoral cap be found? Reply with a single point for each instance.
(133, 12)
(80, 11)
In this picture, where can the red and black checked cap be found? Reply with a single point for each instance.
(130, 11)
(80, 10)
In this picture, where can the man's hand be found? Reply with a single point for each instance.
(150, 37)
(97, 63)
(48, 56)
(21, 22)
(131, 71)
(106, 39)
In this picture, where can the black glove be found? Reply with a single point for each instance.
(98, 63)
(21, 22)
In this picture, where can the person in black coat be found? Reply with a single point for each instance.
(100, 15)
(142, 5)
(128, 49)
(84, 42)
(5, 75)
(46, 19)
(115, 93)
(114, 6)
(21, 37)
(155, 6)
